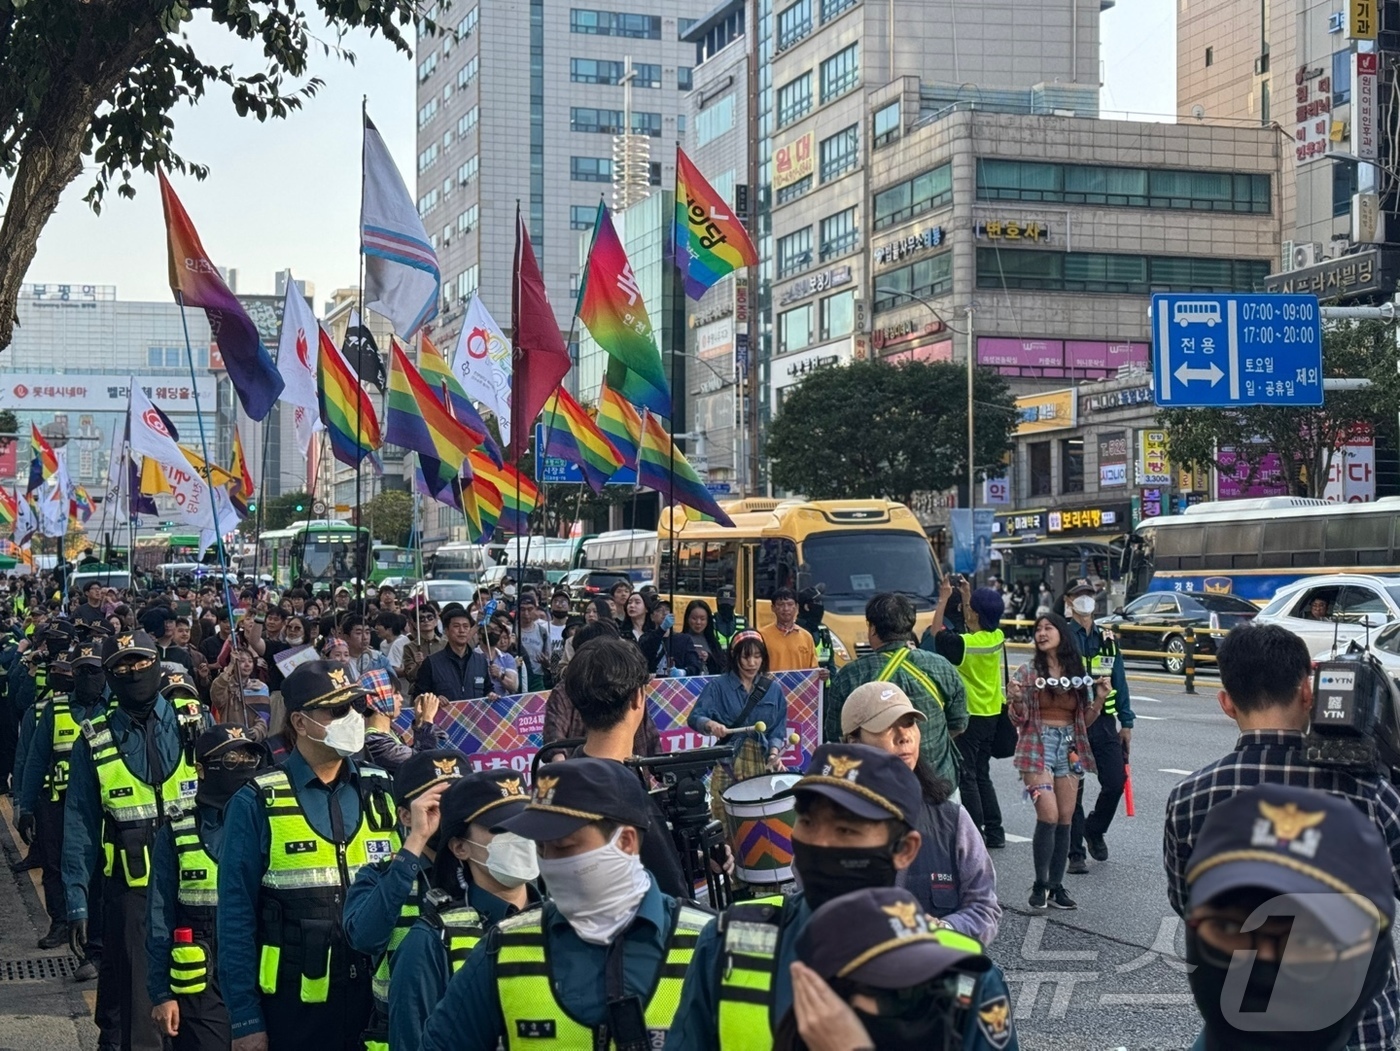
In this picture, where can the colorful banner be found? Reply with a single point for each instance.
(1154, 468)
(508, 732)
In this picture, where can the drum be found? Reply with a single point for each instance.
(759, 816)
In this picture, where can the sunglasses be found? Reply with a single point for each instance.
(132, 667)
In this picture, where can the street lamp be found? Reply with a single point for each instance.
(739, 449)
(971, 364)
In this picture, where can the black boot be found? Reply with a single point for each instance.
(58, 935)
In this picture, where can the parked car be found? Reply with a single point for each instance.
(1170, 613)
(585, 584)
(443, 591)
(496, 576)
(1338, 607)
(1385, 646)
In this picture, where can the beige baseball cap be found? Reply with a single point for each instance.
(876, 706)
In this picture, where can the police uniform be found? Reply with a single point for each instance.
(385, 900)
(452, 921)
(181, 947)
(729, 624)
(287, 969)
(533, 982)
(130, 774)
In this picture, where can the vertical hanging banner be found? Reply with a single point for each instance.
(1362, 19)
(1365, 105)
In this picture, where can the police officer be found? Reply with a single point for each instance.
(384, 901)
(855, 811)
(810, 610)
(182, 974)
(131, 772)
(479, 878)
(1109, 734)
(727, 623)
(600, 962)
(304, 829)
(873, 972)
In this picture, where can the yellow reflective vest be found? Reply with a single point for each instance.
(65, 734)
(981, 669)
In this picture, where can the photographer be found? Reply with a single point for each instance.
(1266, 675)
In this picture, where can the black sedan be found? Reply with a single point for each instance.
(1158, 621)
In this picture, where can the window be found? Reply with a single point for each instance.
(654, 173)
(841, 72)
(609, 121)
(723, 184)
(468, 22)
(793, 190)
(887, 124)
(794, 23)
(446, 139)
(603, 71)
(795, 328)
(839, 153)
(427, 112)
(155, 357)
(794, 99)
(615, 23)
(928, 277)
(467, 282)
(427, 67)
(832, 8)
(468, 169)
(590, 169)
(468, 73)
(467, 121)
(427, 202)
(1041, 478)
(920, 194)
(1343, 186)
(715, 119)
(1341, 78)
(839, 234)
(466, 221)
(685, 77)
(1116, 274)
(1072, 465)
(838, 315)
(1213, 191)
(1210, 56)
(427, 158)
(795, 252)
(581, 216)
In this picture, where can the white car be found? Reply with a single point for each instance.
(1335, 608)
(1385, 646)
(444, 591)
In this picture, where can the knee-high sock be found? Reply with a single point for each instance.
(1043, 849)
(1060, 858)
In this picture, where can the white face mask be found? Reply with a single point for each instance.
(597, 892)
(1083, 604)
(345, 736)
(511, 860)
(510, 589)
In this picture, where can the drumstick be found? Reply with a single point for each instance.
(758, 728)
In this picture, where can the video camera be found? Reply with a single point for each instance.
(1355, 715)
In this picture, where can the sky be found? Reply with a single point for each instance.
(286, 193)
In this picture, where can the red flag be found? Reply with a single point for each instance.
(541, 358)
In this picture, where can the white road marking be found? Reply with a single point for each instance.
(1173, 770)
(1017, 839)
(1149, 700)
(1152, 718)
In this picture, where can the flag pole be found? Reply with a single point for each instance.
(203, 448)
(359, 380)
(262, 464)
(677, 332)
(516, 353)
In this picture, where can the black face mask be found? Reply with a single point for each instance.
(829, 872)
(138, 693)
(219, 784)
(87, 688)
(1207, 980)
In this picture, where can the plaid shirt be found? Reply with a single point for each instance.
(1029, 756)
(1274, 757)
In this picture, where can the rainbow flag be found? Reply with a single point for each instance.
(9, 511)
(518, 495)
(346, 409)
(610, 304)
(710, 239)
(83, 504)
(240, 491)
(442, 379)
(571, 434)
(45, 460)
(620, 423)
(663, 467)
(416, 419)
(489, 506)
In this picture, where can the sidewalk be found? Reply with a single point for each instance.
(40, 1006)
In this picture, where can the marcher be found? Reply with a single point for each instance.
(727, 622)
(457, 672)
(383, 705)
(182, 973)
(790, 647)
(547, 969)
(810, 611)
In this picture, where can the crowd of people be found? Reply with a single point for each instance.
(248, 842)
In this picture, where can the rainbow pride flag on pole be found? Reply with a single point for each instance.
(418, 420)
(443, 380)
(663, 467)
(518, 495)
(620, 423)
(710, 240)
(571, 434)
(346, 409)
(9, 511)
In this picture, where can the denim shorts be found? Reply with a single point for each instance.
(1057, 741)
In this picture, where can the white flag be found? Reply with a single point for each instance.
(296, 361)
(194, 505)
(61, 476)
(482, 363)
(53, 510)
(402, 279)
(26, 525)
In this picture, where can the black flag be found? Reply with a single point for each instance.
(363, 354)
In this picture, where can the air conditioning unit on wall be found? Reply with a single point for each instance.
(1305, 254)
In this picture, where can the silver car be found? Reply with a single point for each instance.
(1335, 609)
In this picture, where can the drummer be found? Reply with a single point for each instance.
(742, 697)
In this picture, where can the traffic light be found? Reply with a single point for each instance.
(252, 506)
(301, 507)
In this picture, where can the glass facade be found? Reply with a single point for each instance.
(1215, 191)
(1113, 273)
(923, 193)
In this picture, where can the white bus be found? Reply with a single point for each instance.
(628, 551)
(461, 561)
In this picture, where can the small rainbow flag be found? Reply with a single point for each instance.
(489, 506)
(416, 419)
(620, 423)
(572, 435)
(83, 504)
(440, 377)
(710, 239)
(663, 467)
(45, 461)
(518, 495)
(346, 409)
(9, 510)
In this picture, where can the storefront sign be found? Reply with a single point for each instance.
(996, 491)
(1054, 410)
(904, 331)
(793, 162)
(1362, 21)
(1152, 501)
(1363, 273)
(68, 293)
(931, 506)
(940, 351)
(812, 283)
(1080, 354)
(1153, 467)
(1012, 230)
(1312, 96)
(1086, 518)
(97, 392)
(1235, 481)
(1019, 525)
(1026, 353)
(1113, 459)
(910, 245)
(741, 300)
(1352, 476)
(785, 373)
(1365, 106)
(1117, 399)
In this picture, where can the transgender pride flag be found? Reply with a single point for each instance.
(402, 279)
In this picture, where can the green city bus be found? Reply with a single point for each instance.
(392, 561)
(320, 553)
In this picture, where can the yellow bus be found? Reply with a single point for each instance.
(853, 548)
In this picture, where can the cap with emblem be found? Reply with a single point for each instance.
(485, 798)
(85, 653)
(869, 782)
(177, 684)
(880, 937)
(1081, 587)
(1297, 841)
(425, 769)
(320, 684)
(222, 738)
(129, 644)
(876, 706)
(578, 792)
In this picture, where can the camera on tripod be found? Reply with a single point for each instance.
(1355, 720)
(699, 839)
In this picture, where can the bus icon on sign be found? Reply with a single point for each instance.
(1197, 311)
